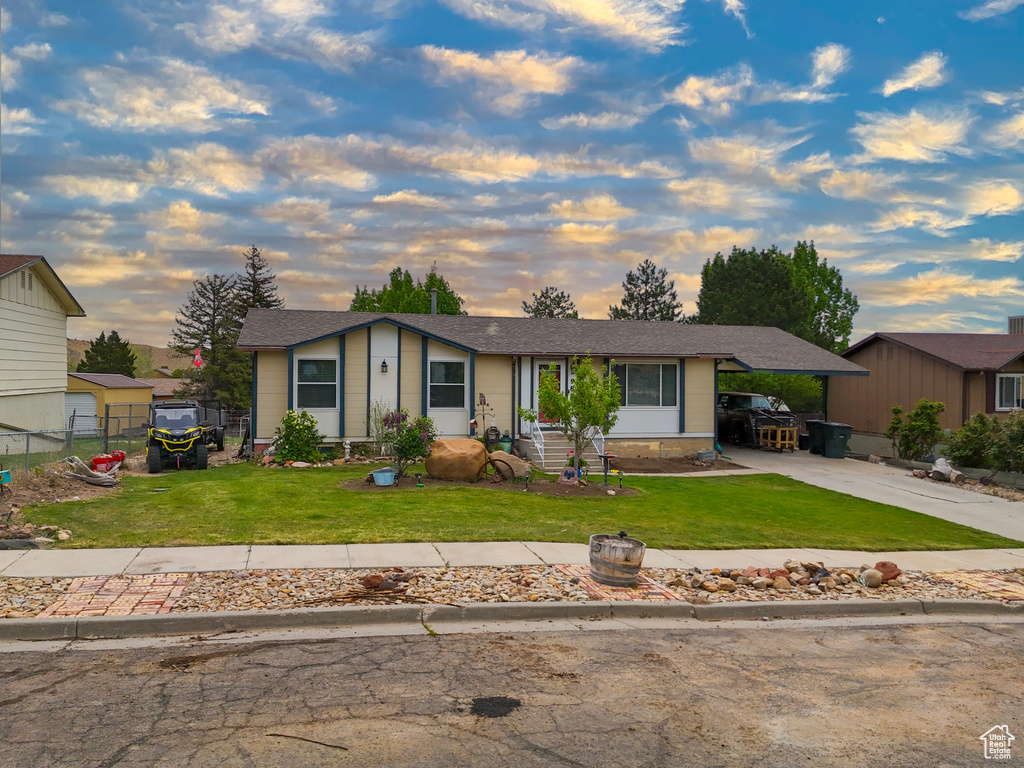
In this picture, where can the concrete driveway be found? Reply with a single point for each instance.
(891, 485)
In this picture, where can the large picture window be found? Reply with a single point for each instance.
(650, 385)
(447, 384)
(1008, 391)
(317, 384)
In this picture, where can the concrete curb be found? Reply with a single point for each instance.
(415, 616)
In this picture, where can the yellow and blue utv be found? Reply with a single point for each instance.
(178, 438)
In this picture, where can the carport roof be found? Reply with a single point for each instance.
(750, 347)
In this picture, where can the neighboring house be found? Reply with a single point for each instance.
(969, 372)
(163, 387)
(336, 364)
(89, 394)
(34, 307)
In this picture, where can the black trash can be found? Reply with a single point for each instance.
(816, 433)
(803, 441)
(837, 437)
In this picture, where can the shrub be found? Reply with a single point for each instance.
(914, 438)
(1009, 452)
(298, 438)
(409, 439)
(976, 443)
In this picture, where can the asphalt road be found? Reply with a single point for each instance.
(729, 695)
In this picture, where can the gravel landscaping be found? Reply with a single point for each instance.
(289, 589)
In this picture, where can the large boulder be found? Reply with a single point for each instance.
(456, 458)
(508, 466)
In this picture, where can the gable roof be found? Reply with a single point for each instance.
(12, 262)
(966, 351)
(111, 380)
(753, 348)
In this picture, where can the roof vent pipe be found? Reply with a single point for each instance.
(433, 301)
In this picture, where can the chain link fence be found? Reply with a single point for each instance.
(21, 451)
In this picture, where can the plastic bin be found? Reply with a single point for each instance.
(102, 463)
(816, 432)
(803, 441)
(837, 437)
(384, 476)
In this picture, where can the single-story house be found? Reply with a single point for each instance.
(969, 372)
(90, 394)
(163, 386)
(34, 308)
(335, 365)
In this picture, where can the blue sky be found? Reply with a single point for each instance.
(517, 144)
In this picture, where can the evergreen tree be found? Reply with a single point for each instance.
(551, 303)
(108, 354)
(400, 295)
(208, 321)
(256, 286)
(649, 295)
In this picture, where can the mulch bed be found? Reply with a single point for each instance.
(540, 487)
(669, 466)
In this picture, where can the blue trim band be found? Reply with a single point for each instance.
(341, 386)
(398, 365)
(425, 381)
(682, 395)
(252, 407)
(368, 350)
(472, 390)
(291, 380)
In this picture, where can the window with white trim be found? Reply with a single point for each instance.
(647, 385)
(447, 384)
(316, 383)
(1008, 391)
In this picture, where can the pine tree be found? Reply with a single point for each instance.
(208, 321)
(108, 354)
(551, 303)
(649, 295)
(256, 286)
(400, 295)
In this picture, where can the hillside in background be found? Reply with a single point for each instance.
(148, 358)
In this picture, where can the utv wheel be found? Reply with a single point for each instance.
(202, 457)
(154, 463)
(220, 441)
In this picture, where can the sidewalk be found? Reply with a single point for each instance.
(66, 563)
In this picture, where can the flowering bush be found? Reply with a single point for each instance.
(407, 438)
(297, 438)
(570, 460)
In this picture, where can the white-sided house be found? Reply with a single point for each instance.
(34, 308)
(335, 365)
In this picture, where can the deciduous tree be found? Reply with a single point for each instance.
(400, 295)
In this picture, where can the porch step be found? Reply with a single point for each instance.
(555, 448)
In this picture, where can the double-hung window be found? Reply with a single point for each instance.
(316, 384)
(447, 384)
(1008, 391)
(650, 385)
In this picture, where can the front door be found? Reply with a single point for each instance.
(541, 367)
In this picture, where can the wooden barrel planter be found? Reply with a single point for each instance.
(615, 560)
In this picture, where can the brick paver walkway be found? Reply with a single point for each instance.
(645, 588)
(120, 595)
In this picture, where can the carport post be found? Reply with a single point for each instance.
(824, 394)
(714, 407)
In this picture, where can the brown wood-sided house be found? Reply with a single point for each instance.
(968, 372)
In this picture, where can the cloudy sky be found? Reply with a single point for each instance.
(517, 144)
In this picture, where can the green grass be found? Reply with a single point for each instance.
(244, 504)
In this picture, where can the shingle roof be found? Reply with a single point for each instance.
(163, 387)
(755, 347)
(10, 262)
(111, 380)
(968, 351)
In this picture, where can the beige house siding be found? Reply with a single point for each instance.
(411, 385)
(33, 347)
(899, 376)
(494, 380)
(699, 396)
(355, 385)
(271, 393)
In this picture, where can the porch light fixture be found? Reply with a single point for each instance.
(384, 366)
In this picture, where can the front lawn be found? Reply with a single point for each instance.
(245, 504)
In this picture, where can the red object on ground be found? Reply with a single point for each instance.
(102, 463)
(118, 456)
